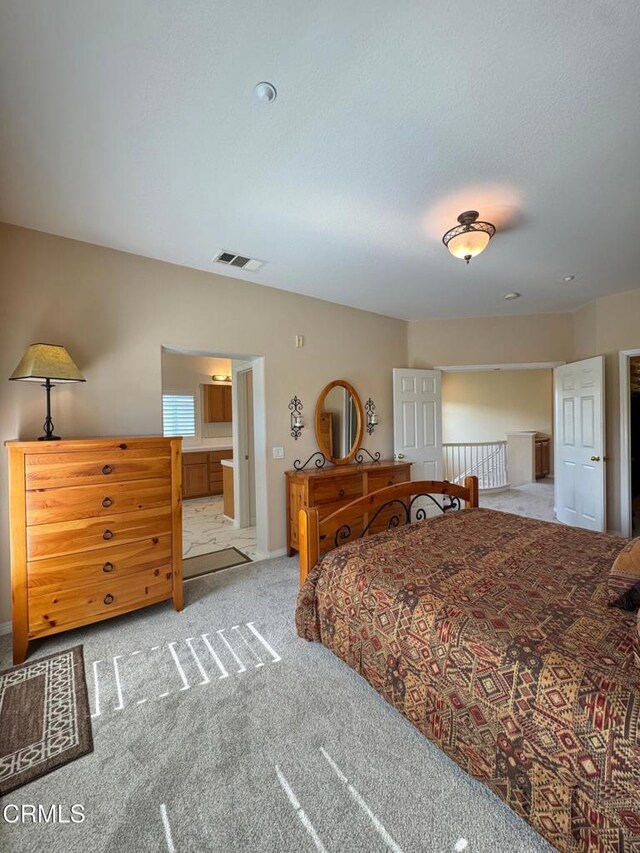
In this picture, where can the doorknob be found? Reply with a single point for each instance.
(400, 455)
(595, 458)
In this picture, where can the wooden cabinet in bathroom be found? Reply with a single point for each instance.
(217, 404)
(202, 472)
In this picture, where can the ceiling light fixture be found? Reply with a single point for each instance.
(513, 295)
(265, 92)
(568, 277)
(470, 237)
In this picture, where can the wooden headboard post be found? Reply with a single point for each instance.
(309, 533)
(471, 483)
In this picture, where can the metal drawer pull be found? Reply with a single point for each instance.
(106, 502)
(108, 567)
(108, 534)
(107, 469)
(108, 599)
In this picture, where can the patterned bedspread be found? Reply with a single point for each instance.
(491, 633)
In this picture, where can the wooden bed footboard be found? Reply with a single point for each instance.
(393, 506)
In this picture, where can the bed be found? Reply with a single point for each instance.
(492, 634)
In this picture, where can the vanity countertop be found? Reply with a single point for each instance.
(228, 463)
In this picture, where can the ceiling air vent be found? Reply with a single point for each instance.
(230, 259)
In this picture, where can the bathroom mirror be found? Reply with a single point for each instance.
(339, 422)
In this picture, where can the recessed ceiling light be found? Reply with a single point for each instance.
(265, 92)
(513, 295)
(568, 277)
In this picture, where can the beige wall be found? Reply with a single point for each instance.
(114, 312)
(584, 332)
(186, 374)
(617, 327)
(491, 340)
(486, 405)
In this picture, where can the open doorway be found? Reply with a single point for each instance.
(630, 441)
(210, 400)
(497, 424)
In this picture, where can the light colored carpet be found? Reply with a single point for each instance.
(211, 738)
(534, 500)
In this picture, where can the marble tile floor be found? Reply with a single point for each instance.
(205, 529)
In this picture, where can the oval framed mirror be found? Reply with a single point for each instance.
(339, 421)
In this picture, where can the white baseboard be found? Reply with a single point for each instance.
(5, 628)
(279, 552)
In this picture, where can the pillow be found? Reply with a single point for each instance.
(624, 577)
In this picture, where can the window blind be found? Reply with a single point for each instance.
(178, 415)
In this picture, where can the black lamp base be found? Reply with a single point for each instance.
(48, 423)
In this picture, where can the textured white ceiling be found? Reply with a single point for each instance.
(132, 124)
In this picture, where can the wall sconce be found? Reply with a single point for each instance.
(297, 419)
(221, 377)
(372, 418)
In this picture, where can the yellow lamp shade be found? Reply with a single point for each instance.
(47, 361)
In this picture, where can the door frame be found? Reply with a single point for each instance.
(625, 441)
(242, 492)
(259, 434)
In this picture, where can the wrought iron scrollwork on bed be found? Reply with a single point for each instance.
(364, 516)
(449, 502)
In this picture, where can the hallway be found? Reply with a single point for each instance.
(534, 500)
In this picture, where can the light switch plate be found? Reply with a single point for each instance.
(278, 452)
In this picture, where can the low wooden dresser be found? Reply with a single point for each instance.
(328, 489)
(96, 531)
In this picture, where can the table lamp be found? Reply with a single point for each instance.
(44, 363)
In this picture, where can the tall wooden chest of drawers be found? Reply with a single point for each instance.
(96, 531)
(328, 489)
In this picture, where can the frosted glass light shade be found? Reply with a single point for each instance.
(469, 243)
(47, 361)
(470, 237)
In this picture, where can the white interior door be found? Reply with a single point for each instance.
(417, 421)
(580, 483)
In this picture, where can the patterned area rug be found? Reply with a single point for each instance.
(44, 717)
(204, 564)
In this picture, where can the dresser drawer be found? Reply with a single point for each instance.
(381, 479)
(331, 490)
(71, 537)
(65, 504)
(57, 611)
(75, 570)
(74, 468)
